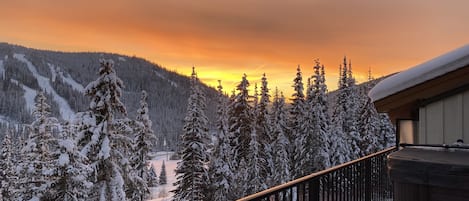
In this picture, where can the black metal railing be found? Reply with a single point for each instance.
(362, 179)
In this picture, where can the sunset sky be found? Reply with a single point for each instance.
(224, 39)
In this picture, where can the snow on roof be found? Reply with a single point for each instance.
(421, 73)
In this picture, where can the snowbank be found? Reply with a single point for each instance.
(426, 71)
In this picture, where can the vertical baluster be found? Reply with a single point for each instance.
(346, 183)
(329, 187)
(359, 182)
(303, 187)
(380, 178)
(334, 186)
(352, 187)
(379, 174)
(362, 180)
(291, 193)
(349, 189)
(341, 184)
(373, 184)
(322, 188)
(314, 186)
(355, 186)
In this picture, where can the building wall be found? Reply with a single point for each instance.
(445, 121)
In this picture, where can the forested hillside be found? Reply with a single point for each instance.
(63, 76)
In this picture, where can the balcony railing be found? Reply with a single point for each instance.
(362, 179)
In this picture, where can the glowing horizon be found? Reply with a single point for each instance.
(224, 40)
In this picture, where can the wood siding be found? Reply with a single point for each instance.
(445, 121)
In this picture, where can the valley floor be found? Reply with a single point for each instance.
(162, 192)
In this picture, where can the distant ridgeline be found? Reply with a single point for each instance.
(63, 76)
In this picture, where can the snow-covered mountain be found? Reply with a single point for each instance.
(63, 76)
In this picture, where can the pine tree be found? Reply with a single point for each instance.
(98, 138)
(72, 169)
(352, 106)
(192, 179)
(339, 146)
(298, 127)
(240, 122)
(369, 124)
(220, 167)
(281, 143)
(125, 130)
(263, 132)
(387, 132)
(152, 179)
(163, 179)
(369, 129)
(255, 163)
(142, 144)
(318, 120)
(36, 172)
(255, 166)
(7, 174)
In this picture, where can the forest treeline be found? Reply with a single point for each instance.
(261, 141)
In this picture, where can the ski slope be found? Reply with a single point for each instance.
(29, 95)
(65, 110)
(66, 78)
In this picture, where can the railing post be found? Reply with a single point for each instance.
(314, 190)
(368, 185)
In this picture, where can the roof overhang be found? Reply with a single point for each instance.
(404, 103)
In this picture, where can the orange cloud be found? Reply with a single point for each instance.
(225, 39)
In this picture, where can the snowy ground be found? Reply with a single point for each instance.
(161, 193)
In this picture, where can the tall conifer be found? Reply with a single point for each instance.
(192, 179)
(98, 138)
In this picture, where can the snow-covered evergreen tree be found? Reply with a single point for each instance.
(152, 179)
(298, 128)
(36, 173)
(339, 140)
(263, 131)
(318, 120)
(220, 167)
(352, 106)
(369, 126)
(240, 122)
(241, 187)
(143, 142)
(98, 137)
(163, 179)
(387, 132)
(281, 143)
(192, 179)
(7, 174)
(73, 172)
(255, 163)
(256, 167)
